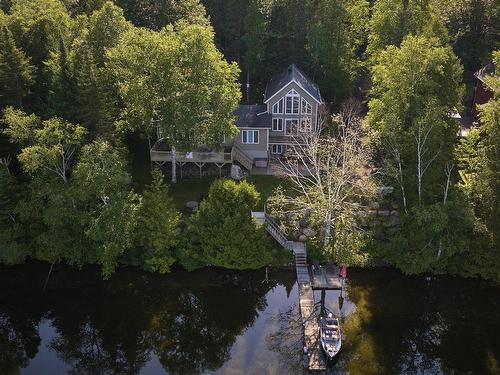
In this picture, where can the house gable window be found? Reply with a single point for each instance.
(278, 107)
(250, 136)
(292, 103)
(306, 107)
(277, 149)
(277, 124)
(291, 126)
(305, 124)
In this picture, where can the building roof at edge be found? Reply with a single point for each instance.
(290, 74)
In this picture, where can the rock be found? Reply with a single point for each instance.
(309, 232)
(384, 213)
(372, 212)
(303, 223)
(394, 213)
(236, 172)
(192, 207)
(375, 205)
(302, 238)
(386, 190)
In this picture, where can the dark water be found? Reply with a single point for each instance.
(222, 322)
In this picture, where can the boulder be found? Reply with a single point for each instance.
(192, 205)
(236, 172)
(384, 213)
(308, 232)
(394, 213)
(385, 190)
(303, 223)
(302, 238)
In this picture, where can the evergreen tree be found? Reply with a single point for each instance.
(16, 72)
(333, 42)
(223, 233)
(157, 226)
(62, 94)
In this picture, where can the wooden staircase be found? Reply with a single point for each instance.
(238, 155)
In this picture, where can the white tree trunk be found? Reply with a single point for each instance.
(174, 166)
(448, 168)
(328, 229)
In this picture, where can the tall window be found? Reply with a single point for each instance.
(250, 136)
(306, 108)
(278, 107)
(306, 124)
(291, 126)
(277, 124)
(292, 102)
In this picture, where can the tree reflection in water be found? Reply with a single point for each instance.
(188, 320)
(189, 323)
(405, 325)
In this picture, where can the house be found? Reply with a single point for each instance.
(482, 92)
(290, 108)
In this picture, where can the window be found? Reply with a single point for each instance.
(277, 149)
(306, 108)
(250, 136)
(277, 124)
(278, 107)
(306, 124)
(292, 102)
(291, 126)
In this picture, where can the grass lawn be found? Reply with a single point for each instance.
(196, 189)
(193, 189)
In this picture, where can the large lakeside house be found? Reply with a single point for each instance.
(290, 109)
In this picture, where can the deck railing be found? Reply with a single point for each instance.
(238, 155)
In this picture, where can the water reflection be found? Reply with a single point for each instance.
(236, 323)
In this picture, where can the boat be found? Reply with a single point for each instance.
(330, 335)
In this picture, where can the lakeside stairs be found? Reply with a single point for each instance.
(316, 359)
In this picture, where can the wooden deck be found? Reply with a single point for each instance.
(160, 156)
(308, 279)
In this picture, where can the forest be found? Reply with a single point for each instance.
(80, 78)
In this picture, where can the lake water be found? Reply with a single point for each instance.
(221, 322)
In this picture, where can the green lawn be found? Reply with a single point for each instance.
(186, 189)
(195, 189)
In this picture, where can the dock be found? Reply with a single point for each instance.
(308, 279)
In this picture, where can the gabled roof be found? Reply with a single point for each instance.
(291, 74)
(252, 116)
(486, 71)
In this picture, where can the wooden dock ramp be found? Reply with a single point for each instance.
(316, 359)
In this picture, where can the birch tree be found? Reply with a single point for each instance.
(48, 146)
(328, 172)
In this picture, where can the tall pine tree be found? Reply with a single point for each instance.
(16, 72)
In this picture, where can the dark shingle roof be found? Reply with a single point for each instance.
(290, 74)
(252, 116)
